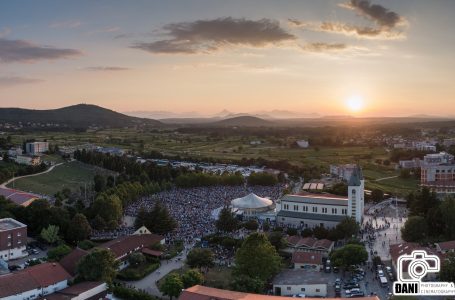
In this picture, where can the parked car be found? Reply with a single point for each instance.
(336, 269)
(357, 294)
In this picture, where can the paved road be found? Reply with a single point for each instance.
(385, 178)
(149, 283)
(3, 185)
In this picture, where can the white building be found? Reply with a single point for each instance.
(35, 148)
(342, 171)
(33, 282)
(251, 206)
(301, 282)
(312, 210)
(303, 144)
(27, 160)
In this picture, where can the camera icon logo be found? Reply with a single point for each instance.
(417, 264)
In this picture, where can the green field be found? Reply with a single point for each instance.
(70, 175)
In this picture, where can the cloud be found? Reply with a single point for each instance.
(25, 51)
(66, 24)
(325, 47)
(379, 14)
(4, 32)
(205, 36)
(15, 80)
(346, 29)
(106, 68)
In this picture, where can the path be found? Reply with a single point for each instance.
(148, 283)
(3, 185)
(385, 178)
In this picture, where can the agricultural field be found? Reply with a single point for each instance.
(70, 175)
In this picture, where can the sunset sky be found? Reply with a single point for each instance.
(378, 58)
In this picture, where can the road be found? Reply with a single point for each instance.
(149, 282)
(3, 185)
(385, 178)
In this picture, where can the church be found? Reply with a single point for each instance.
(311, 210)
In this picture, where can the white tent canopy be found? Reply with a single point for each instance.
(251, 201)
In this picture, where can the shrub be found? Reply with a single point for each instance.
(131, 294)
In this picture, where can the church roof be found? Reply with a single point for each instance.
(251, 201)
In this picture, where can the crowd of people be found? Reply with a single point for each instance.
(192, 208)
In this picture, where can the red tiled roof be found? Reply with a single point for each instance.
(199, 292)
(308, 242)
(447, 246)
(124, 245)
(17, 196)
(307, 258)
(31, 278)
(396, 250)
(70, 261)
(151, 252)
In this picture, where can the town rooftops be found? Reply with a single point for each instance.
(94, 288)
(327, 199)
(446, 246)
(123, 246)
(70, 261)
(9, 224)
(314, 258)
(199, 292)
(397, 250)
(34, 277)
(310, 216)
(301, 276)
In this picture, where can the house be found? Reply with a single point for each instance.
(34, 282)
(199, 292)
(89, 290)
(35, 148)
(307, 260)
(307, 282)
(303, 144)
(309, 244)
(438, 172)
(13, 239)
(445, 247)
(29, 160)
(121, 247)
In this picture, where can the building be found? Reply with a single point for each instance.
(306, 282)
(449, 142)
(33, 282)
(29, 160)
(409, 164)
(18, 197)
(35, 148)
(121, 247)
(251, 206)
(13, 239)
(297, 243)
(445, 247)
(438, 172)
(312, 210)
(88, 290)
(303, 144)
(307, 260)
(199, 292)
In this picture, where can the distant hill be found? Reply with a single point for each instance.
(80, 115)
(243, 121)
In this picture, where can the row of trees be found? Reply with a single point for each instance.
(430, 220)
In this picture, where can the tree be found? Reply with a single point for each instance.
(248, 284)
(447, 210)
(277, 240)
(100, 183)
(79, 228)
(200, 258)
(347, 228)
(349, 255)
(158, 220)
(172, 286)
(50, 234)
(227, 222)
(447, 272)
(58, 252)
(191, 278)
(98, 265)
(98, 223)
(415, 229)
(109, 208)
(136, 259)
(292, 231)
(257, 258)
(377, 195)
(251, 225)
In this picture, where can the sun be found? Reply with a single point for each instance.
(355, 103)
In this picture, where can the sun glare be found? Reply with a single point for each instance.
(355, 103)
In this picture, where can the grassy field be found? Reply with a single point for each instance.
(70, 175)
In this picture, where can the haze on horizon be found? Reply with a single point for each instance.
(356, 57)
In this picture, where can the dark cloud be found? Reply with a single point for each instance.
(25, 51)
(376, 12)
(14, 80)
(106, 68)
(210, 35)
(325, 47)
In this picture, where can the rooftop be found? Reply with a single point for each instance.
(310, 198)
(310, 216)
(16, 196)
(9, 224)
(301, 276)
